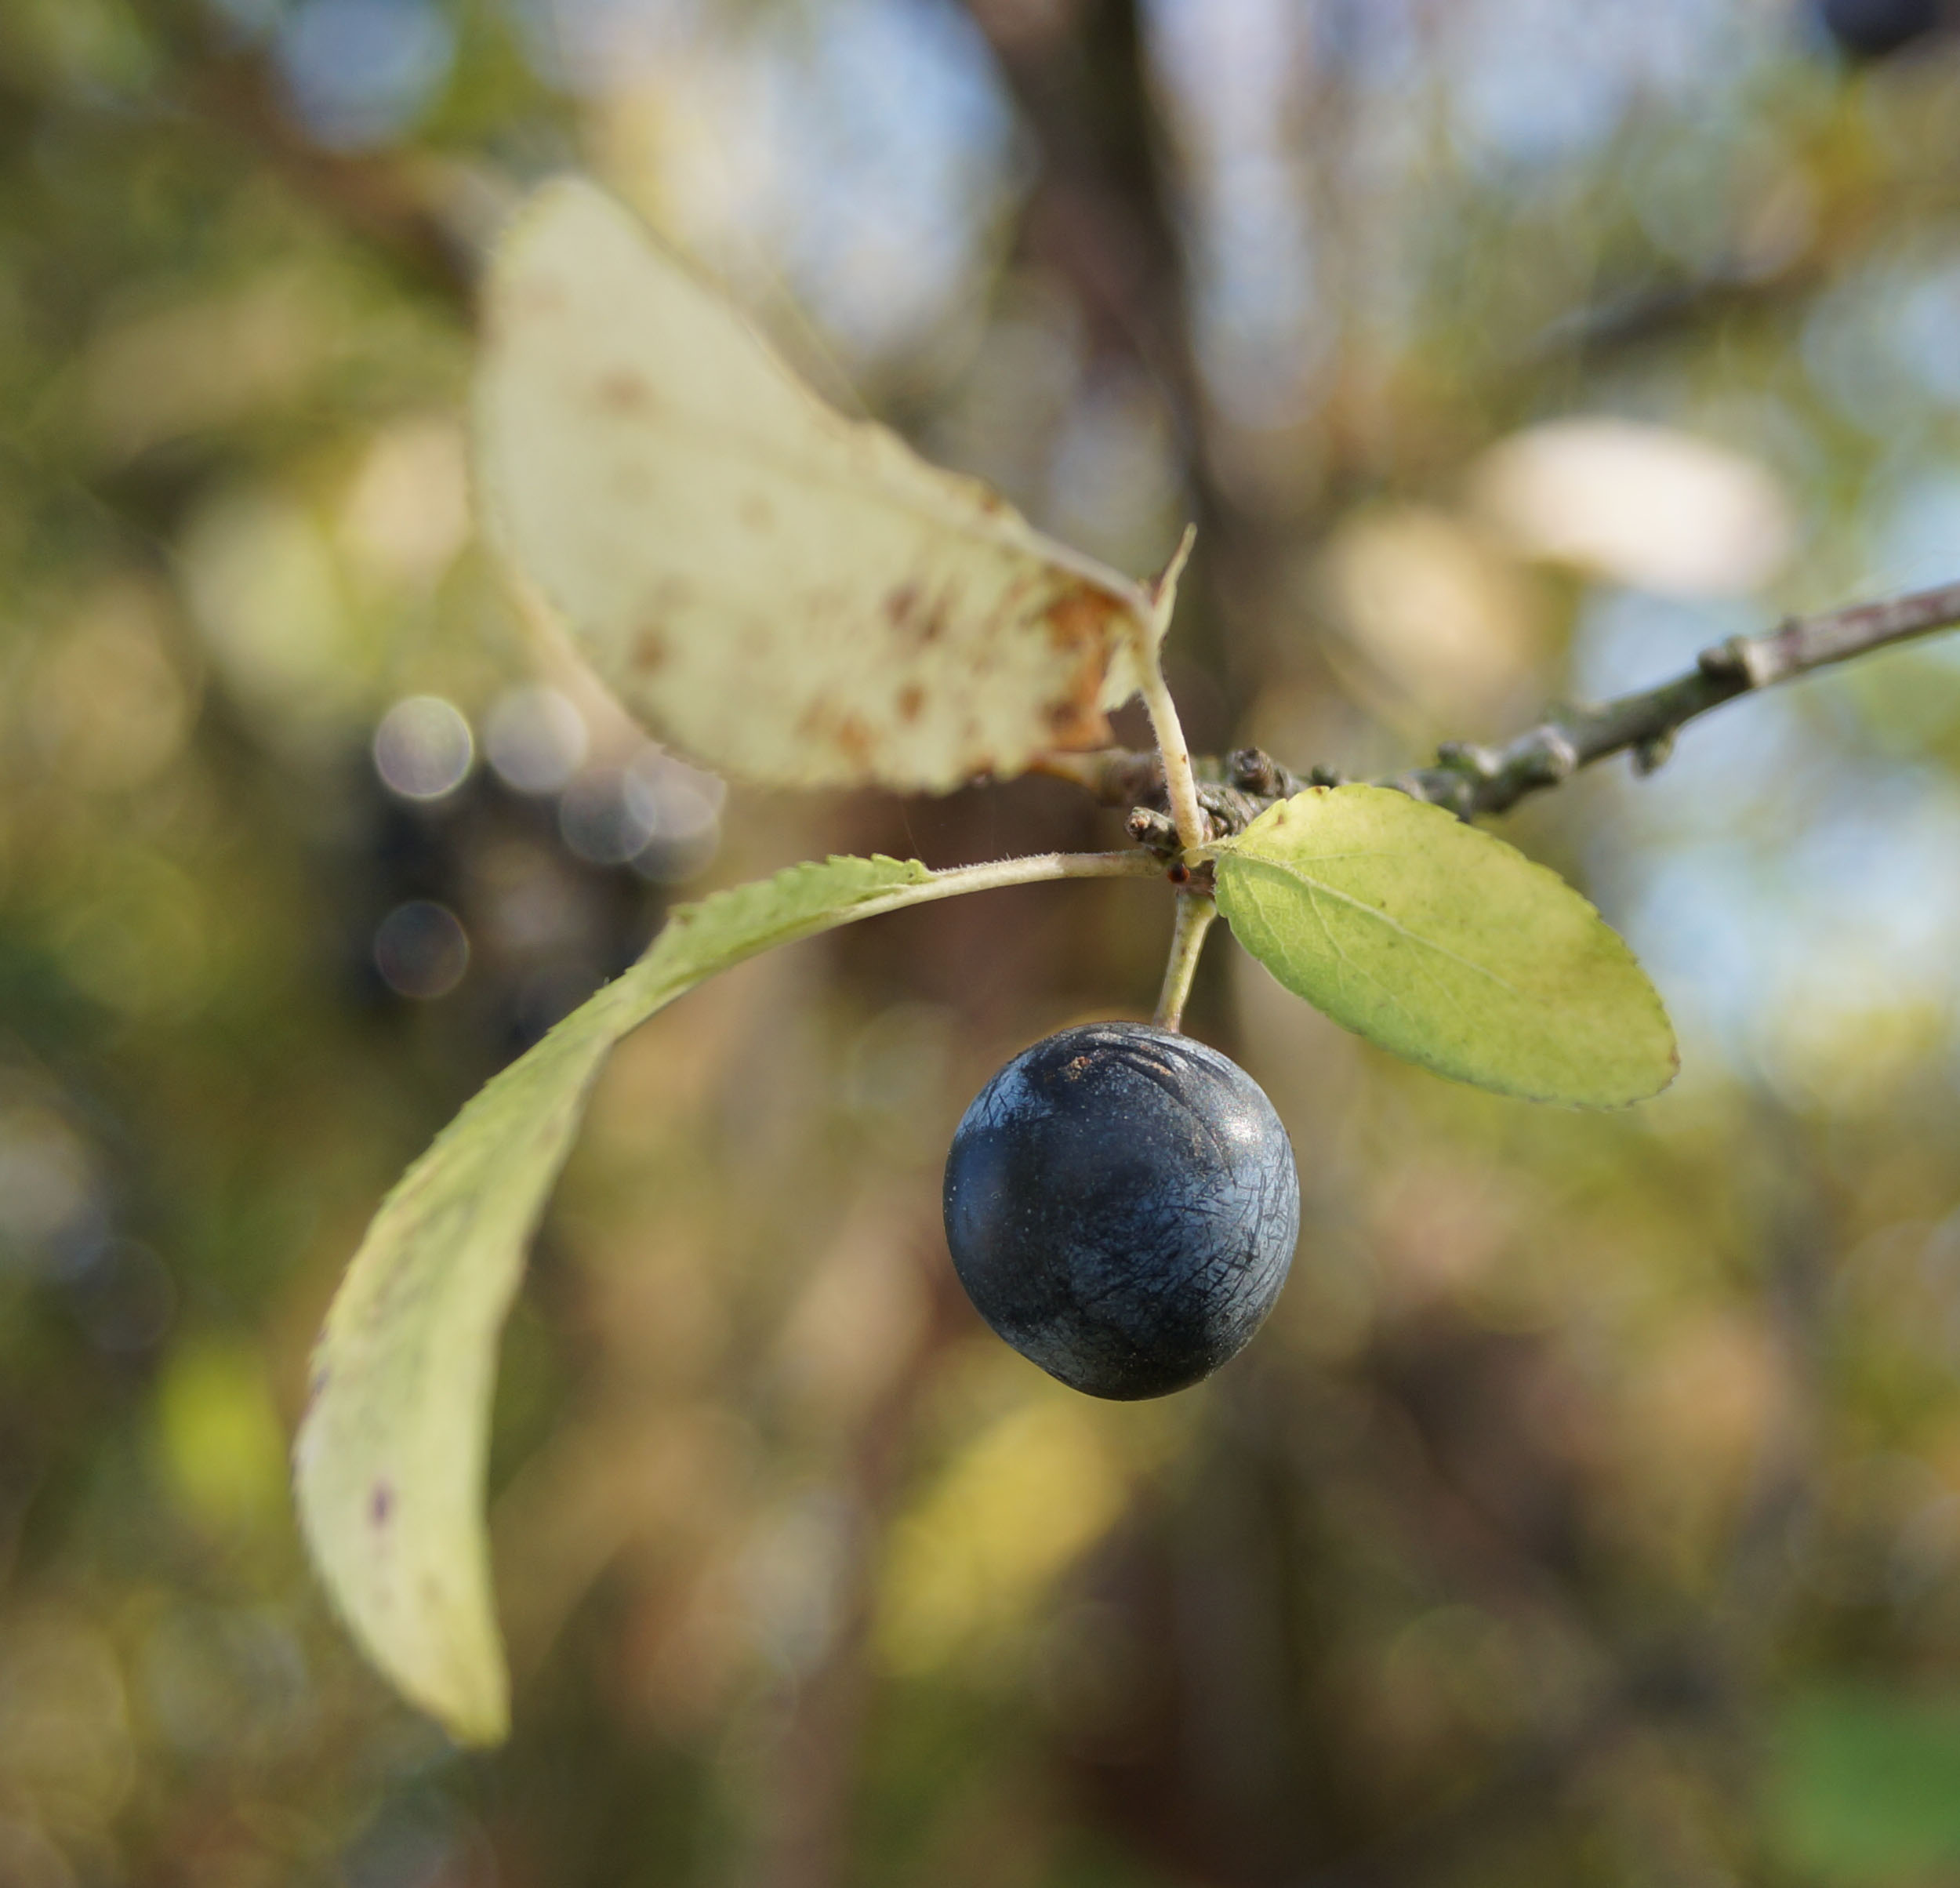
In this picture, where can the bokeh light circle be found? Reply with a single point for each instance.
(535, 740)
(421, 949)
(423, 748)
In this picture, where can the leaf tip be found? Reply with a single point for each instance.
(480, 1723)
(1162, 590)
(426, 1626)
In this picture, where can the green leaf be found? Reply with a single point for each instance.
(390, 1458)
(1446, 945)
(1858, 1785)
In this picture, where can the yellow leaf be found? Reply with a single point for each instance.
(786, 594)
(389, 1466)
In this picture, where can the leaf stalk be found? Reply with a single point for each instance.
(1180, 784)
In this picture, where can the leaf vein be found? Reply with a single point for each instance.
(1368, 911)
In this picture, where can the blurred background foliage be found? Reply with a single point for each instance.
(1590, 1510)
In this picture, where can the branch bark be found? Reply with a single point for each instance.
(1473, 781)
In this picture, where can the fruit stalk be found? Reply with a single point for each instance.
(1195, 910)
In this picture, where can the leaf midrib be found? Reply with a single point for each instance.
(1373, 913)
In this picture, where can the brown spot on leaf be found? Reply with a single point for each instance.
(650, 650)
(907, 611)
(1079, 616)
(1080, 622)
(823, 721)
(1077, 720)
(623, 391)
(380, 1505)
(757, 513)
(911, 700)
(854, 740)
(541, 294)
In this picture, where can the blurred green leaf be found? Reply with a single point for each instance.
(390, 1459)
(1446, 945)
(220, 1434)
(1864, 1787)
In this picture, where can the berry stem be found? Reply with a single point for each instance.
(1195, 910)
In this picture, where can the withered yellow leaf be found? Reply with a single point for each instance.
(786, 594)
(389, 1465)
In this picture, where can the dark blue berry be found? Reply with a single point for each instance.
(1121, 1206)
(1872, 29)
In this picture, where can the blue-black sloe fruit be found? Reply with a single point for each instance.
(1874, 29)
(1122, 1206)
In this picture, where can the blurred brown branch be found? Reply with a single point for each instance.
(1472, 780)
